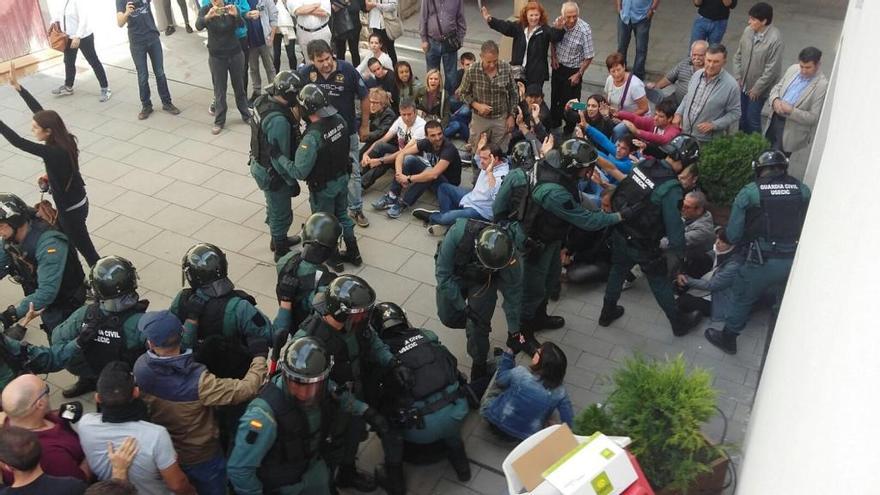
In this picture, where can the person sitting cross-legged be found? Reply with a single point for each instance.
(457, 202)
(379, 156)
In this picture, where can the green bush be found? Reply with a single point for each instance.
(662, 408)
(726, 165)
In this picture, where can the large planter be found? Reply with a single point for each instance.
(711, 483)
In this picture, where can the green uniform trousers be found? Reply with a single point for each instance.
(751, 283)
(623, 257)
(540, 278)
(333, 199)
(279, 211)
(481, 299)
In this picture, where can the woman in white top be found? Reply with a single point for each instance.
(623, 90)
(377, 9)
(72, 17)
(285, 36)
(374, 51)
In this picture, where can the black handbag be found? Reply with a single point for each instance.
(341, 20)
(450, 41)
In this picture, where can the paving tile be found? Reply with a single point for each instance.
(99, 217)
(423, 300)
(388, 286)
(229, 208)
(232, 184)
(260, 279)
(136, 205)
(195, 151)
(150, 160)
(179, 220)
(190, 171)
(169, 246)
(415, 237)
(232, 160)
(104, 169)
(186, 195)
(112, 148)
(156, 139)
(128, 231)
(419, 267)
(162, 277)
(381, 255)
(140, 259)
(120, 129)
(101, 193)
(225, 234)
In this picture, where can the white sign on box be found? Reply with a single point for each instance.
(597, 467)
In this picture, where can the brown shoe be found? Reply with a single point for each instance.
(359, 218)
(145, 112)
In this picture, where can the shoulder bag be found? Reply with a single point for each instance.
(451, 42)
(58, 39)
(393, 24)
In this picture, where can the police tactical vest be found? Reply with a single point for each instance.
(780, 217)
(23, 261)
(295, 444)
(539, 223)
(467, 265)
(264, 108)
(346, 367)
(646, 228)
(109, 344)
(433, 367)
(333, 158)
(306, 285)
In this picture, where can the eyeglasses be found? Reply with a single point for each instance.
(45, 393)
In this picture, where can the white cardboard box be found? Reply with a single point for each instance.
(597, 467)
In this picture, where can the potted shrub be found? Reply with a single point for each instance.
(725, 167)
(662, 407)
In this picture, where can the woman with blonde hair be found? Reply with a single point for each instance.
(432, 102)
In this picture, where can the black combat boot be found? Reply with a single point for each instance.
(390, 479)
(291, 241)
(722, 339)
(349, 477)
(523, 341)
(82, 386)
(684, 322)
(479, 370)
(352, 253)
(610, 312)
(542, 321)
(460, 463)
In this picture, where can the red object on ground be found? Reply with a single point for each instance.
(641, 486)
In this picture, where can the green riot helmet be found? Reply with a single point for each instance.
(576, 154)
(347, 299)
(320, 237)
(522, 155)
(494, 248)
(13, 211)
(770, 158)
(287, 85)
(305, 364)
(204, 263)
(113, 277)
(387, 315)
(314, 102)
(683, 148)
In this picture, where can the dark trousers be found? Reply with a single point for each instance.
(73, 223)
(687, 303)
(351, 38)
(371, 175)
(561, 91)
(139, 52)
(289, 48)
(233, 65)
(413, 165)
(624, 34)
(87, 46)
(774, 133)
(388, 43)
(245, 48)
(750, 120)
(169, 17)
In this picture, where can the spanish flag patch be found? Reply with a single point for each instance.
(256, 424)
(51, 250)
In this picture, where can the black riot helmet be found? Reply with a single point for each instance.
(494, 247)
(113, 277)
(314, 102)
(576, 154)
(770, 158)
(348, 298)
(13, 211)
(287, 85)
(204, 263)
(322, 229)
(305, 364)
(522, 155)
(387, 315)
(683, 148)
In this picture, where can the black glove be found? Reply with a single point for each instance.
(194, 307)
(71, 411)
(403, 375)
(628, 212)
(287, 286)
(86, 335)
(258, 347)
(376, 421)
(9, 317)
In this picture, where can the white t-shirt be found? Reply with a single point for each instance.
(376, 19)
(405, 134)
(155, 451)
(309, 21)
(613, 94)
(366, 55)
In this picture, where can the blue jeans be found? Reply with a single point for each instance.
(209, 477)
(449, 197)
(413, 165)
(624, 34)
(355, 191)
(139, 52)
(433, 58)
(750, 120)
(707, 29)
(459, 123)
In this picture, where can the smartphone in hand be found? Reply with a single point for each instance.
(579, 106)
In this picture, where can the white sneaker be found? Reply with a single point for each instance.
(62, 91)
(627, 285)
(435, 229)
(105, 94)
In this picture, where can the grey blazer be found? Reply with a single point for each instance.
(801, 124)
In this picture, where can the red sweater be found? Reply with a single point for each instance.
(647, 132)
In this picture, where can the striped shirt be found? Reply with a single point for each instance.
(576, 46)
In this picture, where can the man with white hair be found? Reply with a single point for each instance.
(26, 405)
(699, 234)
(569, 59)
(680, 75)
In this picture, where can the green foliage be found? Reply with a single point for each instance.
(661, 407)
(726, 165)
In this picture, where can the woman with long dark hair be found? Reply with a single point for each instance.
(60, 155)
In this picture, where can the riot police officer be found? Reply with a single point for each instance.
(474, 261)
(218, 317)
(42, 260)
(286, 434)
(105, 330)
(544, 203)
(766, 220)
(322, 160)
(274, 125)
(522, 156)
(19, 357)
(653, 191)
(429, 407)
(341, 323)
(303, 274)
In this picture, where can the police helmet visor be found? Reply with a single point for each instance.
(358, 319)
(307, 393)
(326, 111)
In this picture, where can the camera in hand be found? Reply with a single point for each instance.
(71, 411)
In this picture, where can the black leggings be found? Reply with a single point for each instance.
(73, 223)
(87, 45)
(169, 15)
(388, 43)
(290, 48)
(351, 38)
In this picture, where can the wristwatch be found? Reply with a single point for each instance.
(409, 179)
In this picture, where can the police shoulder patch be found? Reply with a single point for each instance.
(51, 250)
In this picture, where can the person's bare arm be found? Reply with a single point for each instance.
(176, 480)
(431, 174)
(411, 148)
(122, 17)
(642, 106)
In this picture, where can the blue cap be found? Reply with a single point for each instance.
(159, 327)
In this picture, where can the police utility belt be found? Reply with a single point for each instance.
(415, 416)
(756, 254)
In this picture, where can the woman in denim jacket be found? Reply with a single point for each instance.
(522, 399)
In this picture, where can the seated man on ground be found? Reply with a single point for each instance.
(382, 117)
(439, 164)
(712, 294)
(699, 235)
(457, 202)
(380, 156)
(533, 116)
